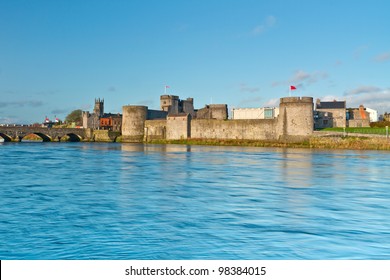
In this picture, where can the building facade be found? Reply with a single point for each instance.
(373, 114)
(254, 113)
(111, 122)
(358, 117)
(330, 114)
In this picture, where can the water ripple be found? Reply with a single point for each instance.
(130, 201)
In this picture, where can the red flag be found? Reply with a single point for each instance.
(292, 88)
(167, 86)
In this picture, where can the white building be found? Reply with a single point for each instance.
(254, 113)
(373, 114)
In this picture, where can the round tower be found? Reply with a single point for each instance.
(133, 123)
(295, 118)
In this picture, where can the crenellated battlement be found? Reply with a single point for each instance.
(296, 99)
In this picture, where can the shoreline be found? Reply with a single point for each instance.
(345, 143)
(334, 141)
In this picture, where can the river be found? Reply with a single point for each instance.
(134, 201)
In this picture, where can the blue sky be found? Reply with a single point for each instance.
(57, 56)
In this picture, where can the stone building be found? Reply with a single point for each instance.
(254, 113)
(111, 122)
(330, 114)
(358, 117)
(92, 120)
(100, 120)
(213, 111)
(173, 105)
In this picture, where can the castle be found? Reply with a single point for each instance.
(179, 120)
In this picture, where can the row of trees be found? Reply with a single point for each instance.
(74, 117)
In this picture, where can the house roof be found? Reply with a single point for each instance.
(109, 115)
(331, 105)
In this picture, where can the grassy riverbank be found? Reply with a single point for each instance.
(362, 130)
(350, 143)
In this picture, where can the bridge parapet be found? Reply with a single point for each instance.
(17, 133)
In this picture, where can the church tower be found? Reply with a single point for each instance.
(99, 107)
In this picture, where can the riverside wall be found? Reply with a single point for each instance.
(155, 130)
(294, 123)
(234, 129)
(105, 135)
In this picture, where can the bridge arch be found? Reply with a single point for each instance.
(44, 137)
(71, 137)
(6, 137)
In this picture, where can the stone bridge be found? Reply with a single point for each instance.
(17, 133)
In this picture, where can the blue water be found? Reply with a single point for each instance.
(130, 201)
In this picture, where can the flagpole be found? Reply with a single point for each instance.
(165, 90)
(289, 91)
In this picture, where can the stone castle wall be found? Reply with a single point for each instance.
(179, 127)
(155, 130)
(294, 123)
(234, 129)
(105, 135)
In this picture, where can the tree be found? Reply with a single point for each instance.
(75, 116)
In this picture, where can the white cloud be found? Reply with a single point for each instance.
(111, 89)
(268, 23)
(382, 57)
(369, 96)
(331, 98)
(272, 103)
(27, 103)
(245, 88)
(9, 120)
(359, 51)
(300, 78)
(250, 102)
(149, 102)
(362, 90)
(60, 111)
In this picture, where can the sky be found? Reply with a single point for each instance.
(58, 56)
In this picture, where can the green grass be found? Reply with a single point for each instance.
(362, 130)
(350, 143)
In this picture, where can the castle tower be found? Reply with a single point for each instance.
(295, 121)
(133, 123)
(99, 107)
(169, 103)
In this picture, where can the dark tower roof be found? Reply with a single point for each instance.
(331, 105)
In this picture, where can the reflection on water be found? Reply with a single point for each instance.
(134, 201)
